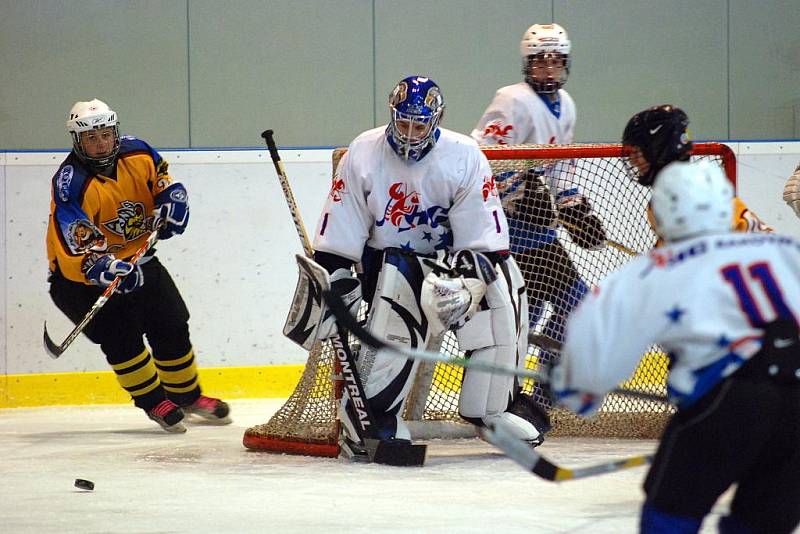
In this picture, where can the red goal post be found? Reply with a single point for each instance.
(307, 424)
(721, 151)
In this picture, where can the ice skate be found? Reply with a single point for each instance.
(169, 415)
(209, 409)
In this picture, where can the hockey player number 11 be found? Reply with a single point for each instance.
(761, 275)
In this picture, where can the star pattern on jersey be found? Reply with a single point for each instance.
(445, 240)
(723, 341)
(675, 314)
(427, 236)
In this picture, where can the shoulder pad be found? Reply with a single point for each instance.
(128, 144)
(69, 180)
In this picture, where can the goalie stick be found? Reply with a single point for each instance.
(287, 192)
(532, 461)
(383, 452)
(347, 321)
(56, 350)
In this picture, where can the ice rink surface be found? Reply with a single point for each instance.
(205, 481)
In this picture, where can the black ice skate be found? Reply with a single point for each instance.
(169, 415)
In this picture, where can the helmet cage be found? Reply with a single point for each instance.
(414, 101)
(548, 84)
(96, 162)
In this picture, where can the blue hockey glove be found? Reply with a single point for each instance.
(107, 267)
(172, 206)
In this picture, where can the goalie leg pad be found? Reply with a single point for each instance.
(396, 315)
(493, 336)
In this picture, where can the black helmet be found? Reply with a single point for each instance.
(660, 133)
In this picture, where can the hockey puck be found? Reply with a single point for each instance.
(84, 484)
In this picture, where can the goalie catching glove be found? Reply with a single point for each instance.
(450, 302)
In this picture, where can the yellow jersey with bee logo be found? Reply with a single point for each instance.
(92, 214)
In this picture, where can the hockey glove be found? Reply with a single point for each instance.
(450, 302)
(172, 206)
(561, 394)
(107, 268)
(537, 204)
(585, 228)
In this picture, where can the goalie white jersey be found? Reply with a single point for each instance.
(518, 115)
(446, 201)
(702, 300)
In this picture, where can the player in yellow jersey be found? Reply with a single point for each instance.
(106, 196)
(658, 136)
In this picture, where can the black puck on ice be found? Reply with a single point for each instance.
(84, 484)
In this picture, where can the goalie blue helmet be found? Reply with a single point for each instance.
(417, 106)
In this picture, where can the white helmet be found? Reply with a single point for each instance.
(545, 40)
(690, 199)
(92, 115)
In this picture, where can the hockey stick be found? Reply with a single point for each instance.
(287, 192)
(343, 317)
(532, 461)
(610, 243)
(56, 350)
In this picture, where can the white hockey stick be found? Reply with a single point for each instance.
(532, 461)
(347, 321)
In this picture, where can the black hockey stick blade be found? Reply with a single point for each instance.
(52, 349)
(528, 457)
(545, 342)
(397, 453)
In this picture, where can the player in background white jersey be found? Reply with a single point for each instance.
(724, 307)
(791, 191)
(403, 193)
(538, 110)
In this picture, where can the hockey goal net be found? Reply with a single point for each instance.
(307, 424)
